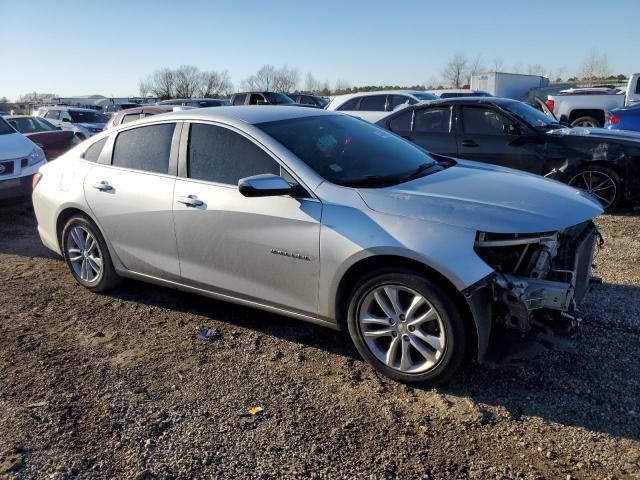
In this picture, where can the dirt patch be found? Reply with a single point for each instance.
(119, 386)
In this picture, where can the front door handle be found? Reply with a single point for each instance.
(103, 186)
(469, 143)
(190, 201)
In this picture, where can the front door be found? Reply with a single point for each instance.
(481, 136)
(263, 249)
(432, 130)
(132, 199)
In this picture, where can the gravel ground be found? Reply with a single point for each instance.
(119, 386)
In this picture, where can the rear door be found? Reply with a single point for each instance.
(265, 249)
(432, 129)
(130, 191)
(481, 136)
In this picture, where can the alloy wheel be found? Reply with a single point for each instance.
(84, 254)
(402, 328)
(598, 184)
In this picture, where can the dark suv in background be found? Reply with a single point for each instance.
(261, 98)
(196, 102)
(308, 99)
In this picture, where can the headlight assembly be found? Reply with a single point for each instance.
(36, 156)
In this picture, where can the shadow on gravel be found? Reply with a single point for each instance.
(18, 232)
(591, 381)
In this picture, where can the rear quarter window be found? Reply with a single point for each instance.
(92, 153)
(144, 148)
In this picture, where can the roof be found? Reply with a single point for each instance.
(68, 107)
(251, 114)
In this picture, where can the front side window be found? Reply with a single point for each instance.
(217, 154)
(278, 98)
(373, 103)
(350, 105)
(482, 121)
(349, 151)
(395, 101)
(54, 114)
(432, 120)
(144, 148)
(402, 123)
(256, 99)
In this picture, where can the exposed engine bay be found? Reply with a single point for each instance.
(542, 274)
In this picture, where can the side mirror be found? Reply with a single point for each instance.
(266, 185)
(511, 129)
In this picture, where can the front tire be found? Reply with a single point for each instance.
(408, 327)
(87, 255)
(601, 182)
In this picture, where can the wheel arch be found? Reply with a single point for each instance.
(363, 267)
(596, 113)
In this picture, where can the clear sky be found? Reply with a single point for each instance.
(106, 47)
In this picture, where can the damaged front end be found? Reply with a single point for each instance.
(538, 275)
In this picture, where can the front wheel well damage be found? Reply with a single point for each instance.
(368, 266)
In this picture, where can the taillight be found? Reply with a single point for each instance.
(35, 180)
(612, 119)
(550, 104)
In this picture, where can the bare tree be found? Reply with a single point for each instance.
(144, 88)
(286, 79)
(517, 67)
(476, 66)
(341, 86)
(595, 66)
(455, 72)
(187, 81)
(311, 84)
(36, 97)
(214, 84)
(263, 79)
(162, 83)
(536, 69)
(498, 63)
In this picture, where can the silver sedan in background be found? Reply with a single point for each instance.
(323, 217)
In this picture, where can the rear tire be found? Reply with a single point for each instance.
(586, 122)
(407, 327)
(87, 255)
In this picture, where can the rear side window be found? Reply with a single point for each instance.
(55, 114)
(396, 100)
(432, 120)
(402, 123)
(144, 148)
(217, 154)
(238, 99)
(350, 104)
(130, 118)
(638, 85)
(93, 152)
(373, 103)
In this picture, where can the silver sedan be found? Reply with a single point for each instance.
(326, 218)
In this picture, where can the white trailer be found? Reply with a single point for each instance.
(508, 85)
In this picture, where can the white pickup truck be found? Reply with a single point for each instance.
(587, 107)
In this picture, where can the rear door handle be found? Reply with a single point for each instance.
(103, 186)
(190, 201)
(469, 143)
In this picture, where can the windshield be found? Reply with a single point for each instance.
(31, 124)
(349, 151)
(533, 117)
(88, 116)
(5, 128)
(425, 96)
(278, 98)
(322, 101)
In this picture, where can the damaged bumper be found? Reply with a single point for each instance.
(535, 275)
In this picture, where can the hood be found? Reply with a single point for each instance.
(486, 198)
(14, 145)
(597, 134)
